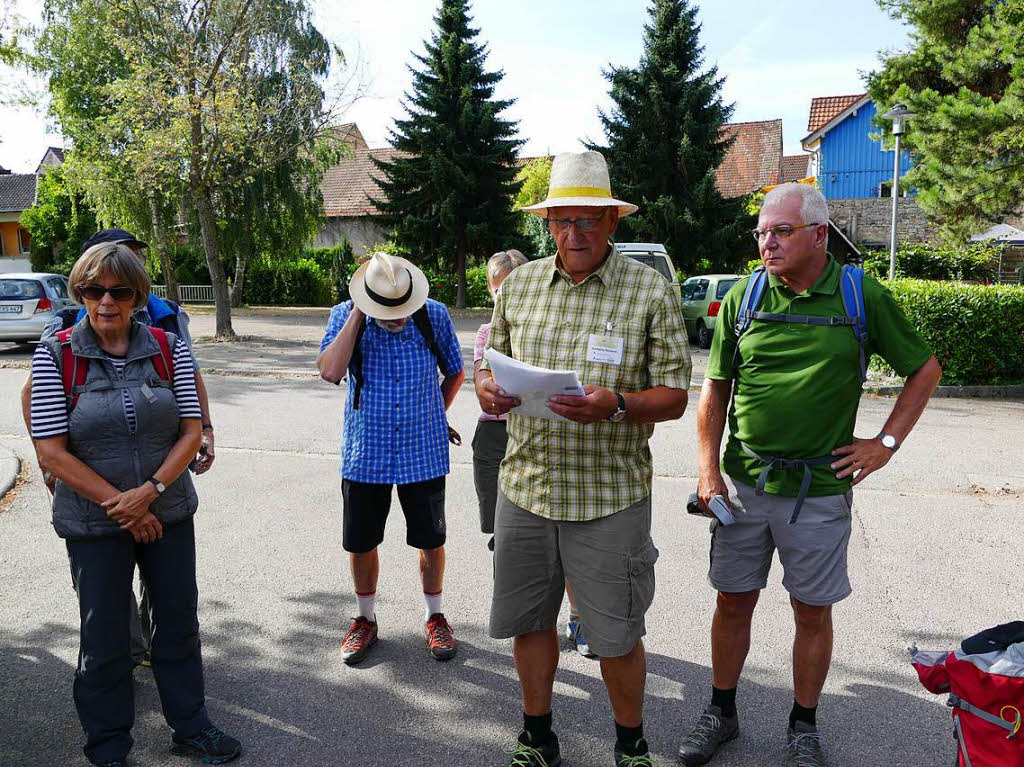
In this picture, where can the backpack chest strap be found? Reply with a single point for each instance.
(805, 319)
(130, 383)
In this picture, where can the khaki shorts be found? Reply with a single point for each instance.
(609, 561)
(812, 550)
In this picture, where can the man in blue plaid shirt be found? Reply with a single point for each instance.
(390, 340)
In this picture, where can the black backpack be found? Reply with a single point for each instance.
(355, 365)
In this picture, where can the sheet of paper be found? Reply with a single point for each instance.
(533, 385)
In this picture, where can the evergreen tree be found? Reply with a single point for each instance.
(449, 193)
(665, 142)
(964, 77)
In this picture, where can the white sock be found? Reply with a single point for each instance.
(365, 602)
(433, 604)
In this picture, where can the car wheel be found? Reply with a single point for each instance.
(703, 336)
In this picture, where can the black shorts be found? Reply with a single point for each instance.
(366, 510)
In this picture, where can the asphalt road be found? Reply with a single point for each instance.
(935, 556)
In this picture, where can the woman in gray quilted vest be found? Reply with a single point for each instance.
(115, 417)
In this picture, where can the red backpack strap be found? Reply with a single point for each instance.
(73, 369)
(163, 362)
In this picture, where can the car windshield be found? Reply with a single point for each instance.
(20, 290)
(657, 264)
(723, 288)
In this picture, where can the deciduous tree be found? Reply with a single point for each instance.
(964, 77)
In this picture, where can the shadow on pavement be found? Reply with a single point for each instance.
(292, 702)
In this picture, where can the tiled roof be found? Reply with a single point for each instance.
(794, 168)
(754, 160)
(17, 192)
(348, 185)
(350, 134)
(824, 108)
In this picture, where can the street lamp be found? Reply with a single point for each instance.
(899, 115)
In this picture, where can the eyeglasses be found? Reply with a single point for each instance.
(121, 293)
(781, 232)
(581, 224)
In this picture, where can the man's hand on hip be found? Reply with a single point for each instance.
(493, 399)
(597, 405)
(864, 456)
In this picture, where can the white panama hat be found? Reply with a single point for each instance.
(580, 178)
(388, 287)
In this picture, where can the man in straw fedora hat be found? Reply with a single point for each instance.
(575, 494)
(395, 431)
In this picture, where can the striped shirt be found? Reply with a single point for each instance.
(478, 354)
(567, 471)
(50, 406)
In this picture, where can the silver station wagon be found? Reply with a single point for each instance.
(28, 301)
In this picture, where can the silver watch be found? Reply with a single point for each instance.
(888, 441)
(158, 485)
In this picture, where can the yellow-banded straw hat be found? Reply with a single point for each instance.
(580, 178)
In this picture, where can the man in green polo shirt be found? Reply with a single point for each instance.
(795, 390)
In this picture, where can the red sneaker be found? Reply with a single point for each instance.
(360, 637)
(440, 637)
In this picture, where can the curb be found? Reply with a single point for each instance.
(1011, 391)
(10, 467)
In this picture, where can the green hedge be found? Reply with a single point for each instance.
(976, 331)
(977, 263)
(299, 283)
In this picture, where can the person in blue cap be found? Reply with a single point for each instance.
(158, 313)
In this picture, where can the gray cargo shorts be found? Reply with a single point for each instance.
(609, 561)
(812, 550)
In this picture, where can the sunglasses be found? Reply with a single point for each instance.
(121, 293)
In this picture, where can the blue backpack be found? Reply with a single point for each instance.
(851, 288)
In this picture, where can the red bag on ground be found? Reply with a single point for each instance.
(986, 693)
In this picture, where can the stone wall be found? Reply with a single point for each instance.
(363, 232)
(868, 221)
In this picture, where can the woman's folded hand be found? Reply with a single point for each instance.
(129, 506)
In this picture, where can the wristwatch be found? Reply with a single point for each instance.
(620, 411)
(158, 485)
(888, 441)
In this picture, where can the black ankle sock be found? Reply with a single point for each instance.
(538, 728)
(725, 700)
(630, 740)
(801, 714)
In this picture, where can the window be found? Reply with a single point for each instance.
(58, 287)
(21, 290)
(698, 289)
(24, 240)
(723, 288)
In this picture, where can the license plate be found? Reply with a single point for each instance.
(8, 309)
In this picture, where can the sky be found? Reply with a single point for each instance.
(774, 56)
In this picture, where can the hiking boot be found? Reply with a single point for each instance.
(440, 638)
(211, 745)
(529, 754)
(574, 633)
(360, 637)
(643, 760)
(709, 734)
(803, 747)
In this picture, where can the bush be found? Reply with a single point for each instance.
(976, 331)
(299, 283)
(444, 287)
(338, 263)
(976, 263)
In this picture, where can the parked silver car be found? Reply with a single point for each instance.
(28, 301)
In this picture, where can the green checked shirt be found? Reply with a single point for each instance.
(572, 472)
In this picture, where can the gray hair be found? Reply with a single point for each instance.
(503, 262)
(813, 208)
(115, 259)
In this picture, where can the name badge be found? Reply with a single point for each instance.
(606, 349)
